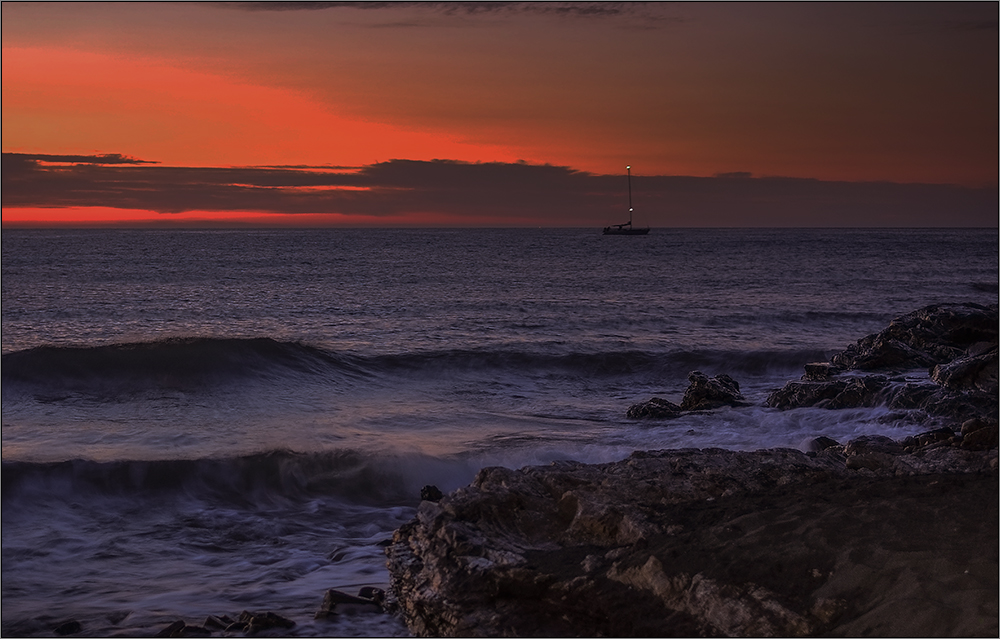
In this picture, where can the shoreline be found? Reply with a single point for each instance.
(708, 542)
(872, 537)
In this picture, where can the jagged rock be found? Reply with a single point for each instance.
(852, 392)
(179, 629)
(878, 390)
(336, 602)
(220, 622)
(707, 542)
(431, 493)
(820, 371)
(656, 408)
(706, 394)
(932, 335)
(974, 372)
(173, 630)
(703, 393)
(252, 623)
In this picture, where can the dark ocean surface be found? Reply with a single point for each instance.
(201, 422)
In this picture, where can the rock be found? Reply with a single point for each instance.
(822, 443)
(978, 372)
(220, 622)
(984, 438)
(431, 493)
(173, 630)
(820, 371)
(931, 335)
(929, 438)
(708, 394)
(655, 408)
(878, 390)
(252, 623)
(973, 424)
(70, 627)
(853, 392)
(708, 542)
(873, 444)
(336, 602)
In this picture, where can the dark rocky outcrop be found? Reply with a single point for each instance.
(656, 408)
(932, 335)
(857, 539)
(703, 393)
(955, 343)
(706, 394)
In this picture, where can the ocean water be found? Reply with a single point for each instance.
(202, 422)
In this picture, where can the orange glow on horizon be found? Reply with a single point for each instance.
(80, 102)
(83, 216)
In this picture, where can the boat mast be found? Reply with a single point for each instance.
(629, 169)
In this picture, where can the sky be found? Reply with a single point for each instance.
(500, 114)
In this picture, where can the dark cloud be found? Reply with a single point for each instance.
(108, 158)
(586, 9)
(518, 194)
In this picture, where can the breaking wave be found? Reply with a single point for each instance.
(199, 363)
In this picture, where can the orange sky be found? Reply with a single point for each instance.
(899, 92)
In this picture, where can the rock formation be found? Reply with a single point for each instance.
(711, 542)
(955, 343)
(703, 393)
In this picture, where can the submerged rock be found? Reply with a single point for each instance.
(336, 602)
(708, 542)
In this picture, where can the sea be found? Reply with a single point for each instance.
(200, 422)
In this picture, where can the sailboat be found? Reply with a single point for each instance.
(626, 228)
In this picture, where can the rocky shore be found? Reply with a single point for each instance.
(868, 537)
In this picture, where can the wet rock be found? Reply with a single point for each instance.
(431, 493)
(336, 602)
(703, 393)
(252, 623)
(853, 392)
(706, 393)
(181, 629)
(822, 443)
(655, 408)
(820, 371)
(932, 335)
(173, 630)
(976, 373)
(70, 627)
(118, 616)
(220, 622)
